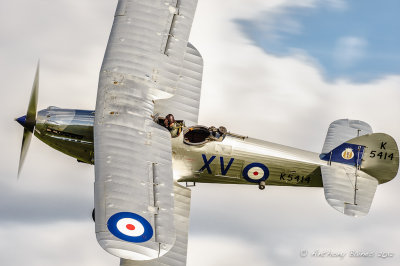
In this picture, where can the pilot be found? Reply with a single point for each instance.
(214, 133)
(175, 128)
(217, 134)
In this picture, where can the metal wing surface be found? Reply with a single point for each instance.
(133, 162)
(343, 130)
(184, 105)
(348, 191)
(178, 254)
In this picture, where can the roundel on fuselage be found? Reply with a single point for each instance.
(255, 172)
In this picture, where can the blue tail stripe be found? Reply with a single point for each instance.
(346, 153)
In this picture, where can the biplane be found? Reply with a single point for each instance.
(145, 143)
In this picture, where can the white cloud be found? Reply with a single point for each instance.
(336, 4)
(349, 50)
(64, 244)
(218, 250)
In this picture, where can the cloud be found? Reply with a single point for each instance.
(217, 250)
(336, 4)
(347, 39)
(63, 243)
(44, 207)
(350, 50)
(285, 248)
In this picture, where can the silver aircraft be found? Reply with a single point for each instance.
(140, 152)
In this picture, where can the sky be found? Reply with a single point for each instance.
(275, 70)
(344, 37)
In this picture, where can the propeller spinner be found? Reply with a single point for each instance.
(28, 121)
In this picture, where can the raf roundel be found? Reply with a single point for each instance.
(255, 172)
(130, 227)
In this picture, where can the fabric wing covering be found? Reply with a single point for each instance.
(349, 191)
(177, 255)
(343, 130)
(134, 197)
(186, 100)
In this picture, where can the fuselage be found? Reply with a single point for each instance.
(234, 160)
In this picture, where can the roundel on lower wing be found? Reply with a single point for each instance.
(255, 172)
(130, 227)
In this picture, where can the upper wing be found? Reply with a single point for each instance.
(184, 105)
(133, 161)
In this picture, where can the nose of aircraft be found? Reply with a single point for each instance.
(25, 123)
(21, 120)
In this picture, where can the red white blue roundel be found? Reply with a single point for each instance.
(130, 227)
(255, 172)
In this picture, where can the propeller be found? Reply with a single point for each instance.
(28, 121)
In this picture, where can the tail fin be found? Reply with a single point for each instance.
(381, 156)
(357, 165)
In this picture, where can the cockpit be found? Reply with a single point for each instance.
(194, 135)
(199, 135)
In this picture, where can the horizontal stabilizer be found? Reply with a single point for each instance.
(343, 130)
(348, 191)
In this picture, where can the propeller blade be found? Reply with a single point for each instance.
(32, 107)
(29, 121)
(26, 140)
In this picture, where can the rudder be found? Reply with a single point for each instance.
(381, 156)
